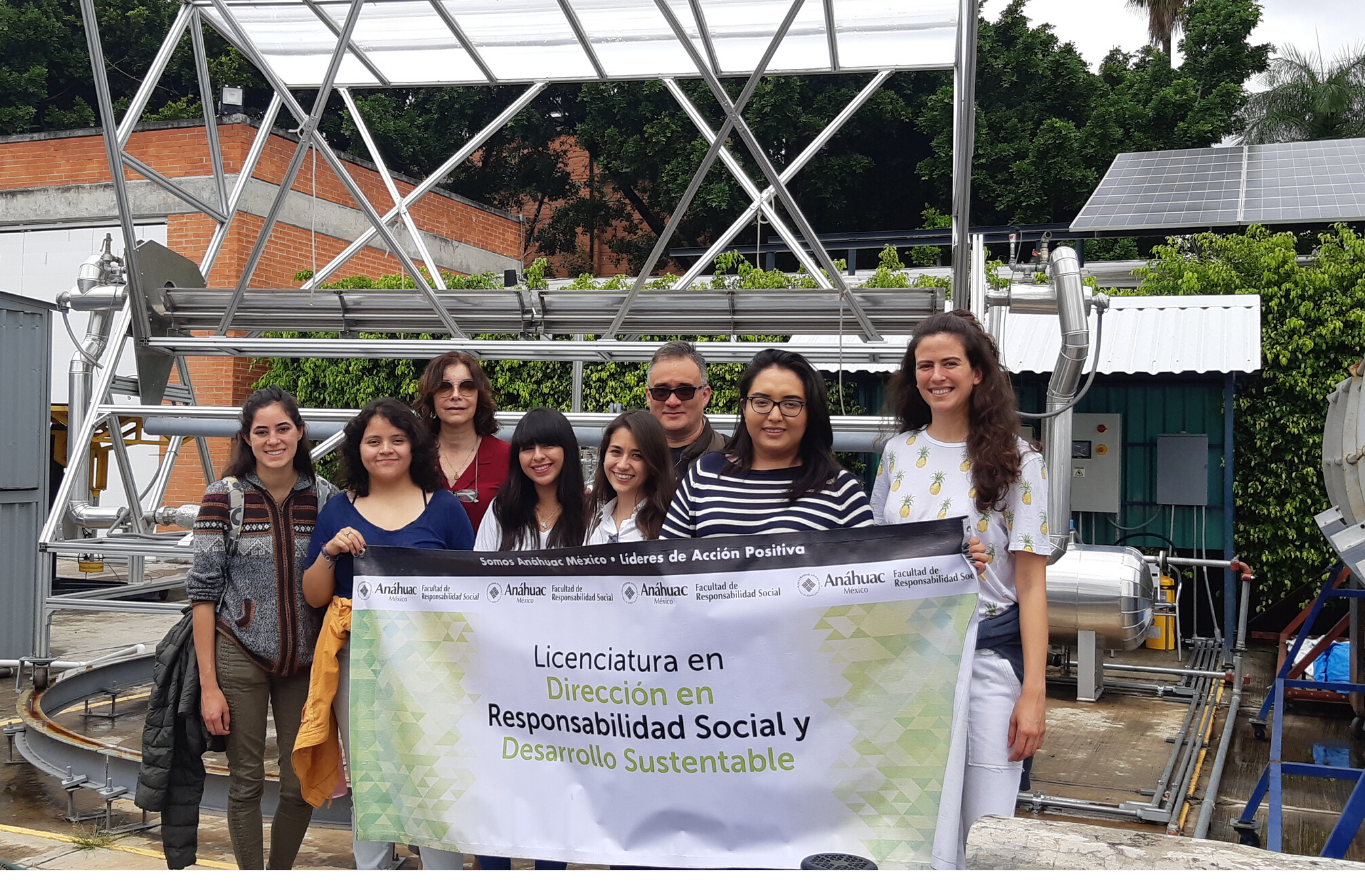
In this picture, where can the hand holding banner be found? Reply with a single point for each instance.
(731, 701)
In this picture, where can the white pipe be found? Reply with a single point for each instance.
(67, 665)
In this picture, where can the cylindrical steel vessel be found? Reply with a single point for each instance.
(1106, 589)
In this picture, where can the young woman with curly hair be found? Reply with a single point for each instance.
(394, 496)
(959, 455)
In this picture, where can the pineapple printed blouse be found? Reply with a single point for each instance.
(922, 479)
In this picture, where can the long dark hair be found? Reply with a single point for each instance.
(993, 416)
(514, 507)
(243, 458)
(423, 470)
(485, 424)
(658, 487)
(818, 466)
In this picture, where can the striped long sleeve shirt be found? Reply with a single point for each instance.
(712, 503)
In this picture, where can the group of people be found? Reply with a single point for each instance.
(271, 585)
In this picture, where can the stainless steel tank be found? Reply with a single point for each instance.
(1106, 589)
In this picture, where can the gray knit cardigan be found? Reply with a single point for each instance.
(259, 586)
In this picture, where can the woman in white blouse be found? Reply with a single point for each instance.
(634, 483)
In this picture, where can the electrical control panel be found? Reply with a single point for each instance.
(1096, 462)
(1182, 469)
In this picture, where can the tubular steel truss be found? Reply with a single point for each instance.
(339, 45)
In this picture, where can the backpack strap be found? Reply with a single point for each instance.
(236, 512)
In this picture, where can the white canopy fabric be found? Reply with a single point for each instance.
(475, 42)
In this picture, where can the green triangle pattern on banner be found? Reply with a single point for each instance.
(407, 695)
(901, 662)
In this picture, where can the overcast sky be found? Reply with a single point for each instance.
(1096, 26)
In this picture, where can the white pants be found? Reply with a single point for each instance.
(980, 776)
(376, 855)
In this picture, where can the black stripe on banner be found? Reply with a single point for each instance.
(671, 557)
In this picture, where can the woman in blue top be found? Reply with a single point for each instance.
(394, 497)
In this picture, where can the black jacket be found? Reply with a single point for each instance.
(174, 740)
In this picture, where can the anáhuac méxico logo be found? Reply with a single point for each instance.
(494, 592)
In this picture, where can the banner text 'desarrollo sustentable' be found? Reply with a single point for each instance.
(733, 701)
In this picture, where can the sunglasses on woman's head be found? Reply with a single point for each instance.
(465, 386)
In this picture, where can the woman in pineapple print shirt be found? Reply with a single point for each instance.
(958, 454)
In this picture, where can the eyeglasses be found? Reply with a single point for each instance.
(764, 405)
(662, 393)
(470, 495)
(466, 387)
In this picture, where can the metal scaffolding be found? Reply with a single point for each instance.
(157, 299)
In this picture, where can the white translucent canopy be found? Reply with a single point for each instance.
(468, 42)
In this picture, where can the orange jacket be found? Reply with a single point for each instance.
(317, 751)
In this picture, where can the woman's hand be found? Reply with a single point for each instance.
(1028, 724)
(348, 541)
(978, 554)
(213, 708)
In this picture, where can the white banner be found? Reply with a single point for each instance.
(734, 701)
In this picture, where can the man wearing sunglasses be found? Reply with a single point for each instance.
(678, 394)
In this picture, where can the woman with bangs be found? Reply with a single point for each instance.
(541, 503)
(456, 401)
(959, 455)
(779, 474)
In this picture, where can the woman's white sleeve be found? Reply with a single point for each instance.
(881, 488)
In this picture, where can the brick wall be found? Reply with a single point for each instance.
(177, 150)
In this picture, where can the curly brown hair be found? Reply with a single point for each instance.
(485, 424)
(993, 417)
(423, 470)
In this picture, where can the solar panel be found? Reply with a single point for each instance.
(1240, 185)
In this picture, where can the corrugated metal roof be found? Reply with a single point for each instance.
(1142, 334)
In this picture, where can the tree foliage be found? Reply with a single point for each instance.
(1307, 99)
(1312, 331)
(1164, 18)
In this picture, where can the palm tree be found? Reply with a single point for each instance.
(1306, 100)
(1163, 19)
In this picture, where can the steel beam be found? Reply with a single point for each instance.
(788, 173)
(735, 120)
(239, 187)
(601, 350)
(582, 37)
(468, 44)
(201, 67)
(831, 35)
(711, 153)
(308, 124)
(153, 76)
(350, 43)
(384, 174)
(114, 155)
(431, 181)
(964, 146)
(167, 185)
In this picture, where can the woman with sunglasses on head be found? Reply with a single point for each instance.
(254, 631)
(634, 483)
(959, 454)
(457, 403)
(541, 504)
(394, 497)
(779, 474)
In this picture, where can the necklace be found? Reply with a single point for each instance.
(545, 523)
(458, 468)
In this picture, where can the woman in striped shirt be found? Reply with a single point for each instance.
(779, 474)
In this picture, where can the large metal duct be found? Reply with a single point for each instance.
(1066, 381)
(1101, 588)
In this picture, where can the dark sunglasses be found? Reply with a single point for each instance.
(466, 387)
(661, 393)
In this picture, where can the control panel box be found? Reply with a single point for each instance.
(1096, 462)
(1182, 469)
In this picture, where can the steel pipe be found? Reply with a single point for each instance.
(1061, 388)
